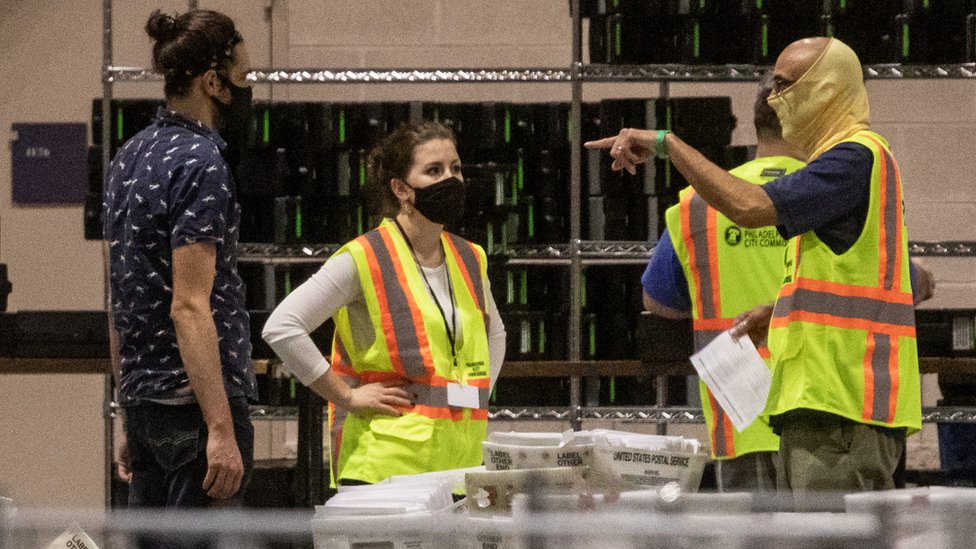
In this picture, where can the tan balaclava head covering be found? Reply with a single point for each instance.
(826, 105)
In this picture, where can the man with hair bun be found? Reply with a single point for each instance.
(181, 327)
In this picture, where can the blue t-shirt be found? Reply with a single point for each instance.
(664, 279)
(829, 196)
(168, 186)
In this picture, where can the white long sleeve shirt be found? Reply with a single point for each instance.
(336, 285)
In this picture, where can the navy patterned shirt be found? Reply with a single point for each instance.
(168, 186)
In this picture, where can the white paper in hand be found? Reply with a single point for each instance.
(735, 373)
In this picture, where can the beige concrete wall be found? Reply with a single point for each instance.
(51, 442)
(51, 427)
(51, 62)
(52, 439)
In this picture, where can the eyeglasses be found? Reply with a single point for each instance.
(780, 84)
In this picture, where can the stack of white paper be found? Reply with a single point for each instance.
(388, 499)
(453, 477)
(737, 376)
(541, 439)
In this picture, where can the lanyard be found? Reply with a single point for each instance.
(450, 329)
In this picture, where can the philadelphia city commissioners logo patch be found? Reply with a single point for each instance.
(733, 235)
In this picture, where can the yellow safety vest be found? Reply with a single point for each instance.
(729, 269)
(842, 334)
(411, 342)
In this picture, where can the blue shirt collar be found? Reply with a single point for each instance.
(165, 116)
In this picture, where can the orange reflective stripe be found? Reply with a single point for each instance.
(867, 411)
(895, 376)
(899, 221)
(852, 290)
(480, 382)
(342, 369)
(377, 377)
(453, 414)
(842, 322)
(883, 259)
(441, 381)
(479, 415)
(717, 324)
(764, 351)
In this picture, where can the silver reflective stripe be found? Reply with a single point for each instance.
(436, 397)
(782, 306)
(428, 395)
(864, 308)
(882, 379)
(698, 228)
(408, 346)
(890, 214)
(340, 350)
(704, 337)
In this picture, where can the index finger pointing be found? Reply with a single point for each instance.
(604, 143)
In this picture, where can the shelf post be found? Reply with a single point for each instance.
(576, 266)
(106, 140)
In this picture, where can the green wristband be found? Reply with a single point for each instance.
(660, 149)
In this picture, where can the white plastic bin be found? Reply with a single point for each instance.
(504, 457)
(633, 468)
(408, 531)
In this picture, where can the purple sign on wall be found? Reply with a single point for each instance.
(49, 163)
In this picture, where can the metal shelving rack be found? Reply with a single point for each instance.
(576, 253)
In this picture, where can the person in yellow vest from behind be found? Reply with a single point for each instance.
(707, 267)
(418, 341)
(845, 390)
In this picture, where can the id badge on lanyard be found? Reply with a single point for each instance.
(462, 396)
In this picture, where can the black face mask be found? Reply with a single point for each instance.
(234, 119)
(442, 202)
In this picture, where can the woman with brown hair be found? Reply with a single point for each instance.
(418, 341)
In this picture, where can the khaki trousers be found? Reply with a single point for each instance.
(824, 452)
(753, 472)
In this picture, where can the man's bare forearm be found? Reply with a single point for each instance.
(744, 203)
(196, 336)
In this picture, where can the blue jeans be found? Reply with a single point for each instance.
(168, 456)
